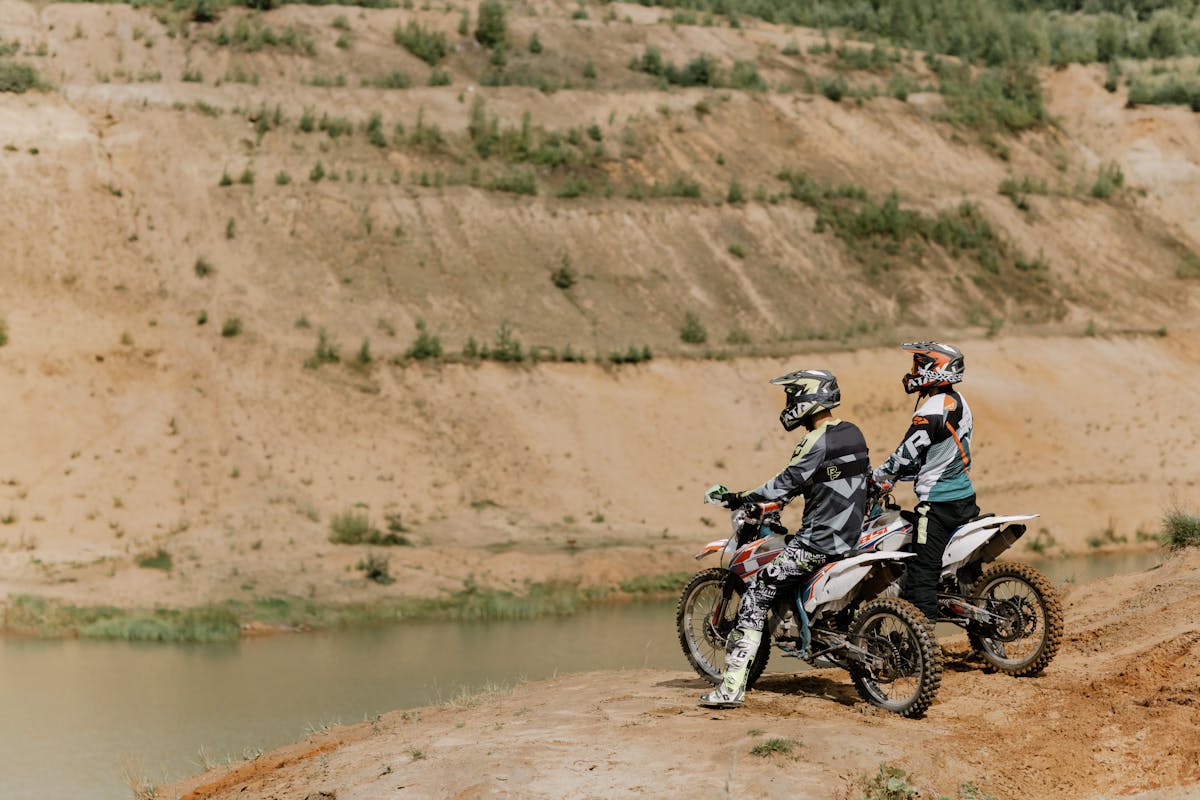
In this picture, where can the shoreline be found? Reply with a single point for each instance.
(35, 616)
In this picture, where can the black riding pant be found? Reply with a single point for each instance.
(935, 522)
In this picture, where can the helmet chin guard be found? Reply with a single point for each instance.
(809, 392)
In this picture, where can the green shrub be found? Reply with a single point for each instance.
(737, 250)
(834, 88)
(374, 130)
(425, 346)
(692, 331)
(231, 327)
(3, 332)
(564, 276)
(1008, 98)
(160, 559)
(735, 194)
(1181, 529)
(535, 44)
(375, 568)
(491, 30)
(317, 172)
(427, 45)
(202, 267)
(439, 77)
(282, 178)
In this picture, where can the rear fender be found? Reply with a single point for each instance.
(833, 586)
(982, 540)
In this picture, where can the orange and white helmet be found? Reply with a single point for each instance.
(934, 365)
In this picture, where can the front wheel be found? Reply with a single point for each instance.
(1029, 627)
(902, 668)
(705, 615)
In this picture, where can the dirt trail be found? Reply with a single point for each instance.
(1114, 716)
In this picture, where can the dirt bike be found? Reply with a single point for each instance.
(1010, 611)
(835, 618)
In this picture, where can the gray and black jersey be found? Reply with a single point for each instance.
(936, 451)
(829, 468)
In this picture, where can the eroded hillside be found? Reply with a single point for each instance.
(188, 204)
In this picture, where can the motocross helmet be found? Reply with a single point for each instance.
(935, 365)
(809, 391)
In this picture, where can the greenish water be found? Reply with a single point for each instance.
(74, 713)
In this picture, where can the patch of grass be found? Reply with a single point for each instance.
(282, 178)
(516, 182)
(1181, 529)
(1189, 268)
(326, 351)
(353, 527)
(772, 746)
(159, 559)
(1018, 191)
(396, 79)
(1109, 181)
(203, 268)
(737, 250)
(634, 355)
(669, 583)
(231, 327)
(18, 78)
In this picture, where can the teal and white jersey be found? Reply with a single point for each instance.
(936, 451)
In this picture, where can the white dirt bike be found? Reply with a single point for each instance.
(835, 618)
(1010, 611)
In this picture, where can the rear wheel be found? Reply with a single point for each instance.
(906, 662)
(1030, 625)
(704, 617)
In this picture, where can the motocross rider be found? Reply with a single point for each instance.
(829, 468)
(936, 454)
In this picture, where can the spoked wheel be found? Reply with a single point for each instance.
(907, 662)
(1030, 625)
(704, 617)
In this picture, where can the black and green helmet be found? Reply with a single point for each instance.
(809, 392)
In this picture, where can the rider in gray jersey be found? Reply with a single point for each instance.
(829, 469)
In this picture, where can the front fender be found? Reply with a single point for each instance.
(712, 547)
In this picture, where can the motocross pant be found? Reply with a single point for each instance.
(935, 523)
(794, 564)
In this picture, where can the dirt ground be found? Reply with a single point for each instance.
(1113, 716)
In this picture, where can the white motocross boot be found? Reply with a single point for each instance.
(739, 652)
